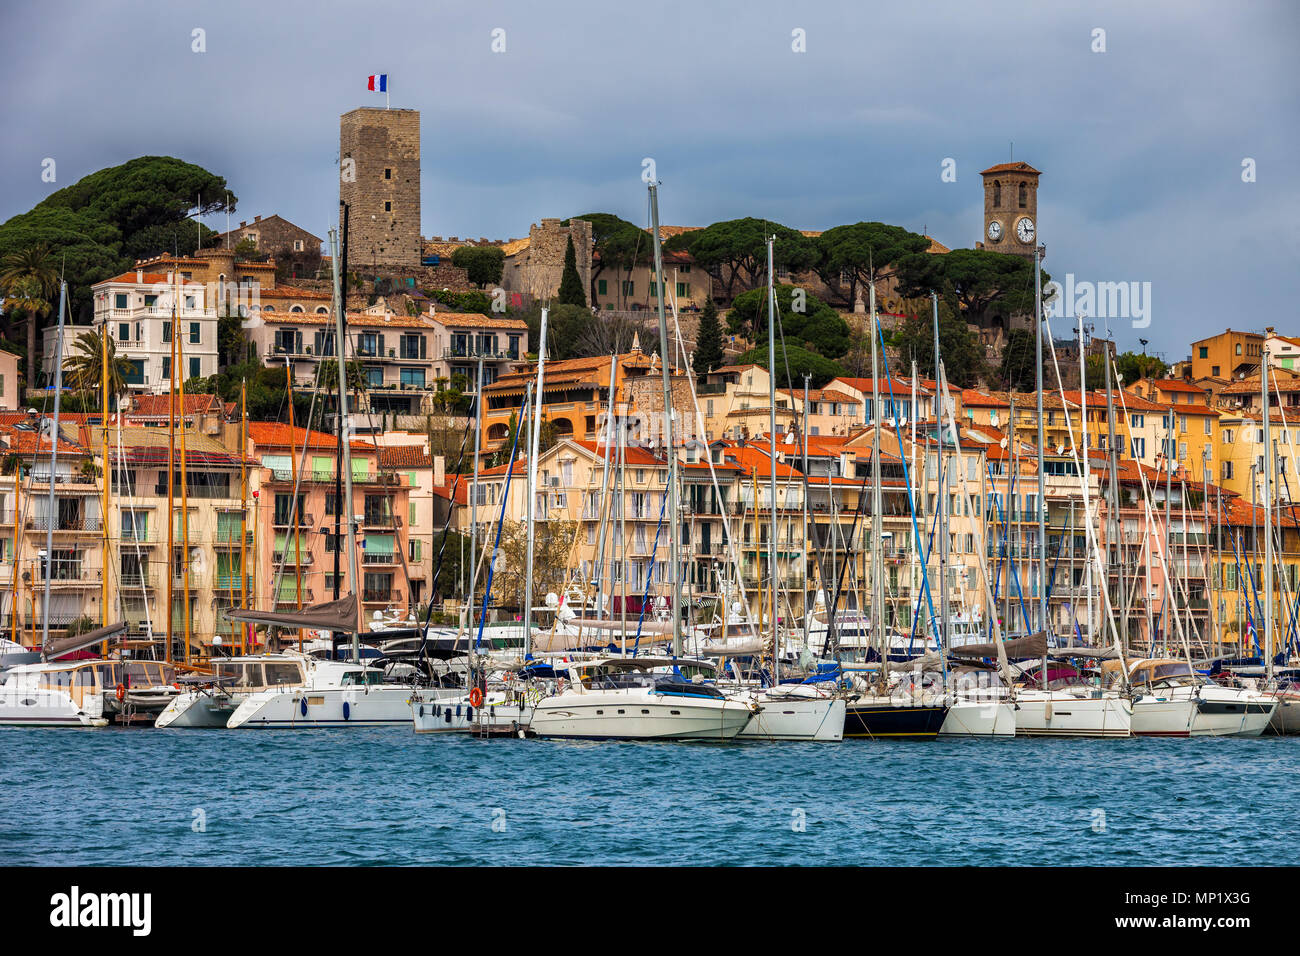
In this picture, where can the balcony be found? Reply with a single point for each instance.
(377, 595)
(288, 598)
(136, 579)
(493, 354)
(283, 520)
(380, 557)
(230, 582)
(292, 559)
(70, 525)
(231, 538)
(373, 520)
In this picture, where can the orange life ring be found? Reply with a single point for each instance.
(121, 692)
(476, 697)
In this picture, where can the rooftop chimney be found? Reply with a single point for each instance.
(257, 219)
(139, 275)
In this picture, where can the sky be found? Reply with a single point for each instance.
(1141, 143)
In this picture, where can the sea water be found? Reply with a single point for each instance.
(389, 796)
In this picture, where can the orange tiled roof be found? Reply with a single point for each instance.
(159, 406)
(477, 320)
(1018, 167)
(404, 456)
(280, 435)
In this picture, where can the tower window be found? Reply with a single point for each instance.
(1024, 195)
(388, 207)
(997, 193)
(388, 173)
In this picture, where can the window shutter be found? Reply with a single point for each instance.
(422, 346)
(381, 345)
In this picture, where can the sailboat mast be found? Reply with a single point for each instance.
(473, 497)
(171, 483)
(941, 499)
(345, 436)
(243, 508)
(1117, 549)
(293, 463)
(877, 555)
(1087, 465)
(669, 447)
(103, 456)
(1268, 519)
(1041, 503)
(54, 457)
(532, 488)
(179, 377)
(771, 394)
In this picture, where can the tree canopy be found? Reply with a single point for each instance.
(738, 248)
(864, 252)
(617, 245)
(482, 264)
(708, 341)
(979, 284)
(791, 364)
(807, 321)
(571, 290)
(1016, 370)
(959, 347)
(101, 224)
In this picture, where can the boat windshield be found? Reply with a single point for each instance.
(1175, 672)
(368, 677)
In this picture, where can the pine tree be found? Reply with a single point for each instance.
(571, 290)
(708, 341)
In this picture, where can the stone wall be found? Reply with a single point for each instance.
(536, 269)
(382, 187)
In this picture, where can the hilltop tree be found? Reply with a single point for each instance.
(738, 248)
(959, 347)
(983, 286)
(866, 252)
(617, 246)
(792, 363)
(100, 225)
(571, 290)
(708, 341)
(806, 320)
(483, 265)
(1135, 365)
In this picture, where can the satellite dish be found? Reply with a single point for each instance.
(1003, 443)
(552, 600)
(1060, 449)
(216, 640)
(376, 616)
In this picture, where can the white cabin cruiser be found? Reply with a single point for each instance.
(208, 701)
(624, 698)
(1171, 700)
(53, 695)
(334, 694)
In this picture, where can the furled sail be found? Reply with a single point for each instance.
(340, 615)
(79, 642)
(1018, 648)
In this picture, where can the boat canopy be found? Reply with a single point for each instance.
(340, 615)
(79, 642)
(1018, 648)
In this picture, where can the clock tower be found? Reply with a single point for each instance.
(1011, 208)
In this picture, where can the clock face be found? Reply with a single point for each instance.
(995, 230)
(1025, 229)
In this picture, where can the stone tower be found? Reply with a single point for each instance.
(379, 171)
(1011, 208)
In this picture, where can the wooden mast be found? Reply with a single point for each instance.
(243, 510)
(103, 520)
(179, 378)
(171, 482)
(293, 507)
(15, 558)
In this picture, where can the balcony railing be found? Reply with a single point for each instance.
(376, 595)
(372, 520)
(136, 579)
(292, 558)
(283, 520)
(379, 557)
(88, 523)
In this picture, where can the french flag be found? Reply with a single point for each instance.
(378, 83)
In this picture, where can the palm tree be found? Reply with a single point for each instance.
(29, 276)
(84, 368)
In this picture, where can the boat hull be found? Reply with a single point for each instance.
(339, 707)
(194, 709)
(890, 719)
(39, 707)
(1218, 712)
(613, 716)
(1062, 714)
(819, 719)
(979, 718)
(456, 715)
(1286, 717)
